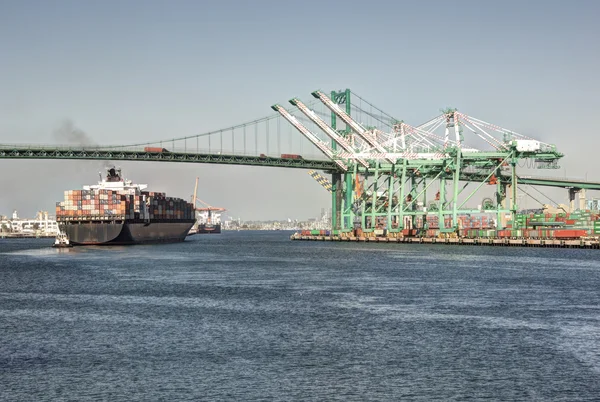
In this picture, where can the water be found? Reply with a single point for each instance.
(255, 316)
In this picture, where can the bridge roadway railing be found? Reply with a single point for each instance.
(139, 148)
(137, 153)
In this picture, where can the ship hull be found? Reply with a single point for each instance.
(205, 229)
(124, 233)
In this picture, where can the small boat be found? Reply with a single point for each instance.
(62, 241)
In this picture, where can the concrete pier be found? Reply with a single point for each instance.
(589, 243)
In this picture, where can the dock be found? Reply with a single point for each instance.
(589, 243)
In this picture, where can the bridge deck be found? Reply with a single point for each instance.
(142, 156)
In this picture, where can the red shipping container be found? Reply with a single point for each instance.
(154, 149)
(569, 234)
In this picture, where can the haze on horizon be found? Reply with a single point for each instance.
(133, 71)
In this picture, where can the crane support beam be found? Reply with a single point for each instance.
(557, 182)
(322, 145)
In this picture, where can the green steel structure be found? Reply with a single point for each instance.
(386, 179)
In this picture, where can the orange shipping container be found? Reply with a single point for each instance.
(564, 234)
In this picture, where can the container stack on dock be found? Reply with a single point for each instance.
(559, 225)
(576, 229)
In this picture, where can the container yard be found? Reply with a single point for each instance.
(455, 179)
(580, 229)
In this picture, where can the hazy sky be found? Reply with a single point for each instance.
(128, 71)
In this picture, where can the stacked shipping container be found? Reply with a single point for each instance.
(464, 221)
(161, 207)
(103, 204)
(561, 225)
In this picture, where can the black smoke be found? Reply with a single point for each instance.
(67, 133)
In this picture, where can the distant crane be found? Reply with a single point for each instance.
(205, 208)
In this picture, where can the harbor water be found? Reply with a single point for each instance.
(255, 316)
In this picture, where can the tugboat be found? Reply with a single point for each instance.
(62, 241)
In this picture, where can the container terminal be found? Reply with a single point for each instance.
(413, 184)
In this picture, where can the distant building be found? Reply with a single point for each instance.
(42, 225)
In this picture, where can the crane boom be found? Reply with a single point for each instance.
(328, 130)
(207, 206)
(322, 145)
(357, 128)
(195, 192)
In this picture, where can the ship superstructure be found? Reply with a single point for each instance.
(208, 221)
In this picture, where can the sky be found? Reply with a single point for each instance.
(134, 71)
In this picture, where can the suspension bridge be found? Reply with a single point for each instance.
(383, 171)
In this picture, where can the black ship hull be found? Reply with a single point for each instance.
(126, 232)
(204, 228)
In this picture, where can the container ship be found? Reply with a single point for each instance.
(118, 212)
(208, 222)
